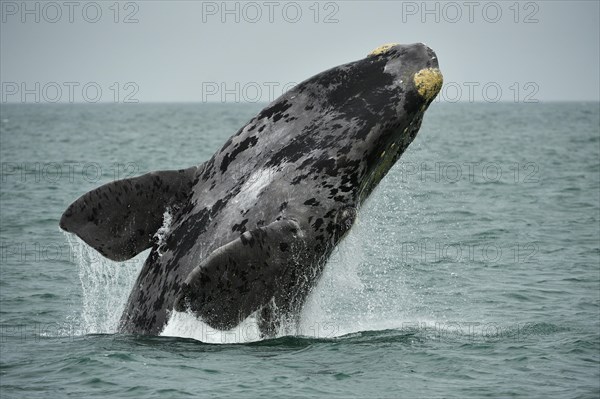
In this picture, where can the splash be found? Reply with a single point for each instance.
(187, 325)
(362, 288)
(161, 233)
(349, 298)
(364, 285)
(105, 286)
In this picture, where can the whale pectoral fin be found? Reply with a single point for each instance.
(240, 277)
(119, 219)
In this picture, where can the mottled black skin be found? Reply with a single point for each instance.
(319, 147)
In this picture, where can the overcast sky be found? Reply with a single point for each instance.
(165, 51)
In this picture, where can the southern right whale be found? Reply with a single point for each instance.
(251, 229)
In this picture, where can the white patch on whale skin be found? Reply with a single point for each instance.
(187, 325)
(253, 187)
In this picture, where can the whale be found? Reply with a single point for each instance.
(249, 231)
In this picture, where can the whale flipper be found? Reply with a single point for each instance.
(237, 278)
(119, 219)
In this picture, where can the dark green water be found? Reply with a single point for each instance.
(473, 270)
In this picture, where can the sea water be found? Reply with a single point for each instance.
(473, 270)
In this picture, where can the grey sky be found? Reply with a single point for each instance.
(182, 51)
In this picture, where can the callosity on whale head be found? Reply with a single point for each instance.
(253, 227)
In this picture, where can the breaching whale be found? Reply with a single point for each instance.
(251, 229)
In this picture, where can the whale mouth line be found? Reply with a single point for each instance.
(428, 82)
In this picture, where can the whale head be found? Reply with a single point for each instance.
(368, 111)
(412, 79)
(415, 66)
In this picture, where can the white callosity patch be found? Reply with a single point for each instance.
(252, 188)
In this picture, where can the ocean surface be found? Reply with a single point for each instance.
(472, 271)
